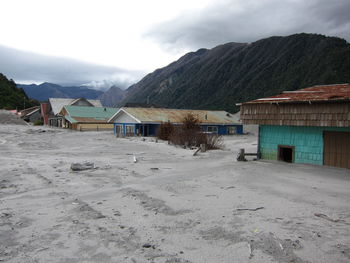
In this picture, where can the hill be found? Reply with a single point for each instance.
(236, 72)
(47, 90)
(12, 97)
(112, 97)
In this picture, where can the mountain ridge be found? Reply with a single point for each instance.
(13, 97)
(46, 90)
(231, 73)
(112, 96)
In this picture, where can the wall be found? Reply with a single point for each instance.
(83, 103)
(35, 116)
(324, 114)
(152, 128)
(94, 127)
(124, 118)
(308, 141)
(223, 129)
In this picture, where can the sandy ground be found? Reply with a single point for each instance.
(7, 117)
(167, 207)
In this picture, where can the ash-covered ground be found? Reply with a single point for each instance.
(169, 206)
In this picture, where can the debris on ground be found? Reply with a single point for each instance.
(328, 218)
(250, 209)
(250, 251)
(148, 245)
(82, 166)
(195, 153)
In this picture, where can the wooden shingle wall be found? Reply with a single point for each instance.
(332, 114)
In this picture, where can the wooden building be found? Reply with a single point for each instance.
(31, 114)
(84, 118)
(130, 121)
(50, 110)
(311, 125)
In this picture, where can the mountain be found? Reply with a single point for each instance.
(112, 97)
(236, 72)
(47, 90)
(12, 97)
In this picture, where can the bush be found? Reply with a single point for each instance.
(214, 141)
(165, 130)
(189, 134)
(38, 123)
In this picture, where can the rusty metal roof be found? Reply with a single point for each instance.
(158, 115)
(320, 93)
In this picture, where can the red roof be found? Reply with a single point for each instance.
(327, 93)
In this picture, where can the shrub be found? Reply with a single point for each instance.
(38, 123)
(214, 141)
(165, 130)
(189, 134)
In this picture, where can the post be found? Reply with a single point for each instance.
(241, 156)
(203, 147)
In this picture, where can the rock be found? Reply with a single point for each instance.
(82, 166)
(147, 245)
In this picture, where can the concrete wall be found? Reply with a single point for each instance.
(308, 141)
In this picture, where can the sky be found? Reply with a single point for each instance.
(101, 43)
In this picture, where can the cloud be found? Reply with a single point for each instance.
(245, 21)
(28, 67)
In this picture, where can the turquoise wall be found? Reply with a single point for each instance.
(308, 141)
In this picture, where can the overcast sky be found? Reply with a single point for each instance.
(105, 42)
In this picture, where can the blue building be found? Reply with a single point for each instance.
(311, 125)
(145, 121)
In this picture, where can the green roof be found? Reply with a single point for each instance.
(77, 114)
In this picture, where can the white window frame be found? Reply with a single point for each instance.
(230, 129)
(132, 130)
(214, 129)
(120, 126)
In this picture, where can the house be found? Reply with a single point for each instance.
(145, 121)
(50, 110)
(31, 114)
(310, 125)
(84, 118)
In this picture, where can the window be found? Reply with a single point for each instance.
(130, 130)
(232, 130)
(212, 129)
(118, 130)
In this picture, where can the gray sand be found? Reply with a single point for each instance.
(184, 211)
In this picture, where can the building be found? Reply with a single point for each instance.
(145, 121)
(31, 114)
(84, 118)
(310, 125)
(50, 110)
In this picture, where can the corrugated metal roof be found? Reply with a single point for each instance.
(29, 111)
(79, 114)
(70, 119)
(158, 115)
(335, 92)
(58, 103)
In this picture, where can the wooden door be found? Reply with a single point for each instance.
(337, 149)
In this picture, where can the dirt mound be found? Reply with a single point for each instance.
(7, 117)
